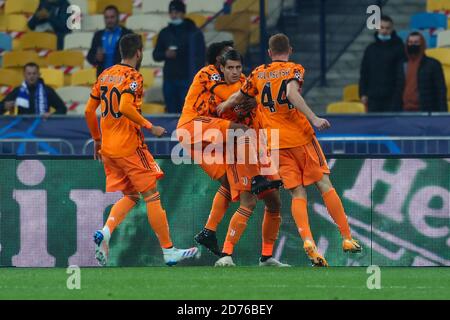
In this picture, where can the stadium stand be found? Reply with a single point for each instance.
(443, 39)
(53, 77)
(9, 79)
(346, 107)
(75, 97)
(35, 40)
(21, 6)
(84, 77)
(433, 22)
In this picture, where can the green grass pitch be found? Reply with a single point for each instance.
(181, 283)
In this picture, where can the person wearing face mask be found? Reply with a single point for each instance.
(425, 88)
(181, 46)
(381, 74)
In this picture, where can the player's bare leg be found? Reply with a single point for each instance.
(336, 211)
(158, 221)
(118, 213)
(207, 237)
(237, 227)
(270, 229)
(300, 215)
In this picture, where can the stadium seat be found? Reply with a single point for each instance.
(5, 42)
(428, 20)
(84, 77)
(14, 23)
(198, 19)
(35, 40)
(208, 7)
(93, 22)
(124, 6)
(351, 93)
(443, 39)
(346, 107)
(147, 22)
(78, 41)
(447, 79)
(149, 77)
(248, 6)
(66, 58)
(83, 4)
(52, 77)
(438, 5)
(403, 34)
(148, 60)
(10, 77)
(152, 108)
(21, 6)
(441, 54)
(152, 6)
(17, 59)
(75, 98)
(233, 22)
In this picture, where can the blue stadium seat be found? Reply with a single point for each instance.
(403, 34)
(429, 21)
(5, 44)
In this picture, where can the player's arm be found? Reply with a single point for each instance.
(126, 107)
(236, 98)
(299, 103)
(92, 123)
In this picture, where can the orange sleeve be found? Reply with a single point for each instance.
(91, 118)
(249, 88)
(127, 108)
(297, 73)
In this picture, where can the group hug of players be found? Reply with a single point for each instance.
(221, 100)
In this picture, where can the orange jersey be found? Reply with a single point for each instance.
(120, 136)
(268, 85)
(195, 104)
(222, 92)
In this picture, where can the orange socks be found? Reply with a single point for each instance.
(158, 220)
(236, 228)
(300, 214)
(119, 211)
(336, 211)
(220, 205)
(270, 228)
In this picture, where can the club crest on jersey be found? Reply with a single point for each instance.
(298, 75)
(215, 77)
(133, 86)
(244, 181)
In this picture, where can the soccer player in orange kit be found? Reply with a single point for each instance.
(301, 160)
(129, 166)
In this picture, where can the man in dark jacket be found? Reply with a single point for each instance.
(182, 46)
(425, 88)
(33, 96)
(381, 78)
(104, 51)
(51, 16)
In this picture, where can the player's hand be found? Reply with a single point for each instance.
(221, 109)
(171, 54)
(248, 105)
(46, 115)
(42, 14)
(9, 106)
(321, 123)
(97, 150)
(158, 131)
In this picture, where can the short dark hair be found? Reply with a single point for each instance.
(232, 55)
(215, 49)
(31, 64)
(279, 43)
(177, 5)
(129, 45)
(387, 19)
(112, 7)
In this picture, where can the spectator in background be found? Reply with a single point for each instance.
(381, 74)
(104, 51)
(33, 96)
(181, 46)
(425, 88)
(51, 16)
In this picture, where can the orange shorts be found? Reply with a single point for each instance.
(213, 164)
(303, 165)
(243, 182)
(136, 173)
